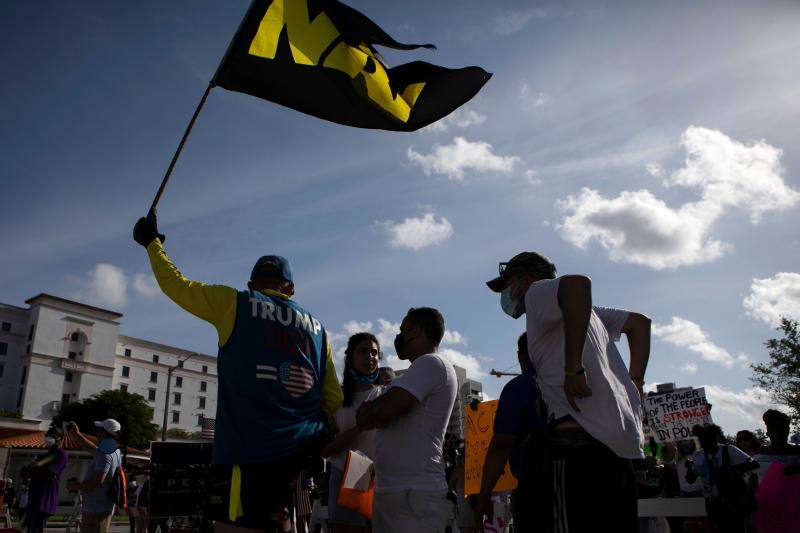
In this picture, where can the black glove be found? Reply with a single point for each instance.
(146, 229)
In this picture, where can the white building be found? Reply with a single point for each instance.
(57, 351)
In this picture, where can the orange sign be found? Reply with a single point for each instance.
(479, 428)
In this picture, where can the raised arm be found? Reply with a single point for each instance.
(575, 301)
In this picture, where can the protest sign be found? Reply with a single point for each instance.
(479, 430)
(778, 502)
(670, 416)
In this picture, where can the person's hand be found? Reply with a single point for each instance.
(484, 509)
(576, 387)
(364, 416)
(146, 229)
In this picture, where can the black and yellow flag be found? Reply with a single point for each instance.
(317, 56)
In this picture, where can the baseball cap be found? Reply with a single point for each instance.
(109, 424)
(281, 264)
(522, 262)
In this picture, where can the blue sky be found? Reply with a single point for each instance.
(650, 145)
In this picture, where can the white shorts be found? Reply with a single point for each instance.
(411, 510)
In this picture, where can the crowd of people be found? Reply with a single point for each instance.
(570, 425)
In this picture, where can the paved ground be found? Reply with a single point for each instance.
(115, 528)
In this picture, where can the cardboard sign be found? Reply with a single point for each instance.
(670, 416)
(479, 428)
(778, 502)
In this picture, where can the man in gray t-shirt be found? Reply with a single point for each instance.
(98, 505)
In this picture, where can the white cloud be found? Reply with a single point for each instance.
(105, 284)
(417, 233)
(406, 27)
(532, 99)
(775, 297)
(510, 22)
(686, 334)
(730, 173)
(690, 368)
(747, 405)
(146, 285)
(453, 337)
(452, 160)
(460, 118)
(654, 169)
(466, 361)
(637, 227)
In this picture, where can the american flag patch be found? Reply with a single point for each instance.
(297, 380)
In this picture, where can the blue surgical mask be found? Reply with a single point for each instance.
(511, 306)
(362, 379)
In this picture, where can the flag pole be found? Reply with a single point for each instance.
(180, 147)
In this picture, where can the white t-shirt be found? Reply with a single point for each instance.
(408, 453)
(346, 419)
(613, 413)
(701, 466)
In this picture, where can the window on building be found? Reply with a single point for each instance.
(127, 352)
(180, 363)
(205, 369)
(64, 399)
(178, 381)
(201, 403)
(24, 374)
(200, 420)
(68, 377)
(152, 412)
(2, 369)
(177, 399)
(72, 355)
(6, 326)
(176, 417)
(151, 395)
(203, 386)
(155, 358)
(30, 333)
(3, 348)
(74, 337)
(126, 371)
(19, 398)
(153, 377)
(123, 388)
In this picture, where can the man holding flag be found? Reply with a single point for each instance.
(277, 382)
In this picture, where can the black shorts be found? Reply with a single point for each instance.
(264, 493)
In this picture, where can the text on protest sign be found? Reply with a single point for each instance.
(479, 430)
(672, 415)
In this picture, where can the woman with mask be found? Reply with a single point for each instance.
(360, 384)
(45, 475)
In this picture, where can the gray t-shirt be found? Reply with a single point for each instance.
(98, 500)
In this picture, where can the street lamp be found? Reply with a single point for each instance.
(166, 401)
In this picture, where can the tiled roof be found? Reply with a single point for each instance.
(25, 439)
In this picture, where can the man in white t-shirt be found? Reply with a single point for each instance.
(411, 418)
(593, 400)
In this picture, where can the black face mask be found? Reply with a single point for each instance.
(400, 344)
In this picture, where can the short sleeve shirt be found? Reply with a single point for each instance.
(516, 414)
(98, 500)
(702, 465)
(613, 413)
(408, 453)
(346, 419)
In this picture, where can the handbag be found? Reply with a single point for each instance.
(357, 489)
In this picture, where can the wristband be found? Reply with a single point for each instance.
(571, 373)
